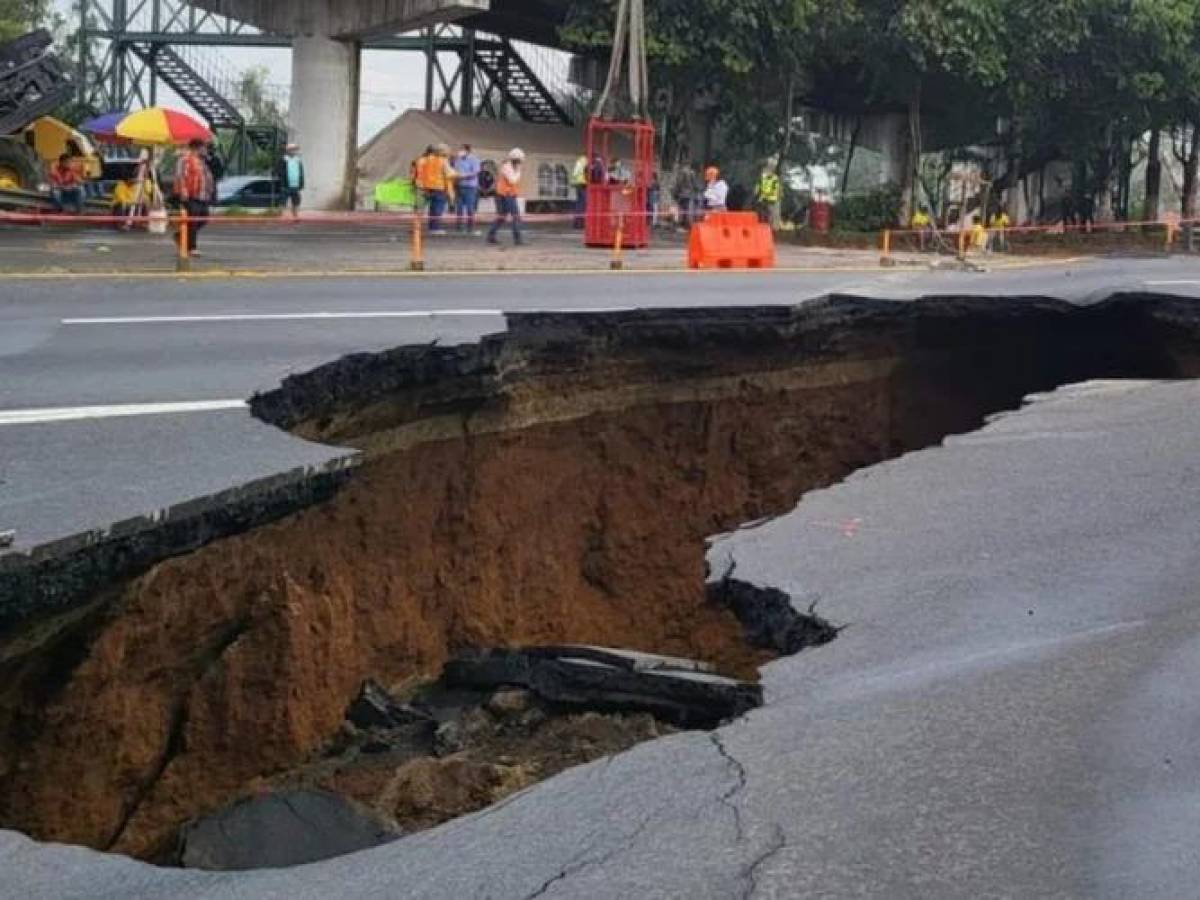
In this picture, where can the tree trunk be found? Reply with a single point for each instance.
(1125, 176)
(850, 156)
(1153, 177)
(1106, 172)
(908, 188)
(1190, 163)
(785, 149)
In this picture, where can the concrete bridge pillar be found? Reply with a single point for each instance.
(324, 117)
(326, 50)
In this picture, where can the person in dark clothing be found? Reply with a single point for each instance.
(216, 169)
(597, 171)
(686, 192)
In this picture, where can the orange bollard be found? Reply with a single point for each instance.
(963, 234)
(617, 264)
(417, 264)
(885, 258)
(183, 262)
(1170, 236)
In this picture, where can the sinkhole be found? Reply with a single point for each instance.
(553, 485)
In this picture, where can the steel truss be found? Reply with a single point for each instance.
(129, 48)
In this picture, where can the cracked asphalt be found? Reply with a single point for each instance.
(118, 343)
(1008, 711)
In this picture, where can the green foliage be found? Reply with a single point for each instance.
(871, 211)
(1080, 80)
(17, 17)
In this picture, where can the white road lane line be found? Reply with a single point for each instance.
(285, 317)
(79, 413)
(1169, 283)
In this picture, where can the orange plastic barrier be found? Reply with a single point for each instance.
(731, 241)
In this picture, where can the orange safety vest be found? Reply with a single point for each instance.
(506, 188)
(431, 173)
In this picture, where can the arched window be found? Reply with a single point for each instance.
(562, 182)
(545, 180)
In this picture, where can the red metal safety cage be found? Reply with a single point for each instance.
(620, 170)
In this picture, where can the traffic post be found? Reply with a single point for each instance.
(183, 262)
(617, 263)
(417, 263)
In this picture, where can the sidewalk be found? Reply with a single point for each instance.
(324, 248)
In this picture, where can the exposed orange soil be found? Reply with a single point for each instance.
(235, 662)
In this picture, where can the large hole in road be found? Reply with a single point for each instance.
(555, 484)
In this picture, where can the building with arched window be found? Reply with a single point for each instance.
(551, 151)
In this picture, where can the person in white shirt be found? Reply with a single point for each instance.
(716, 191)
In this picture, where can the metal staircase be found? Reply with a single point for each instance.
(206, 90)
(185, 81)
(507, 71)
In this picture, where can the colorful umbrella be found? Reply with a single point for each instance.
(159, 126)
(104, 126)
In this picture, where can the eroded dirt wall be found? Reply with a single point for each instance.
(570, 506)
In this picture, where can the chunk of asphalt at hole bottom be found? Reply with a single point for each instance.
(374, 707)
(278, 830)
(689, 698)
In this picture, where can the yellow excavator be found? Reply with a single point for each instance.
(33, 83)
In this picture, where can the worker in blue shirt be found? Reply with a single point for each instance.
(466, 167)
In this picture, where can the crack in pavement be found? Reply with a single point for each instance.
(778, 843)
(576, 865)
(726, 799)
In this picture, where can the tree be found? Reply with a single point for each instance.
(20, 16)
(1097, 83)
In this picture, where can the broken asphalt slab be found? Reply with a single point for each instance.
(675, 690)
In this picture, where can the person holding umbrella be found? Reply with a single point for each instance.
(194, 189)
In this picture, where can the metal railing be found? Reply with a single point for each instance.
(228, 80)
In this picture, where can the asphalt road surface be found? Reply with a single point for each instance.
(83, 361)
(1008, 713)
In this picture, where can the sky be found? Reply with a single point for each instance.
(392, 81)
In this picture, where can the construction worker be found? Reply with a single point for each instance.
(508, 192)
(998, 231)
(923, 226)
(193, 188)
(716, 191)
(685, 192)
(66, 185)
(466, 186)
(435, 178)
(579, 182)
(419, 166)
(122, 202)
(978, 234)
(767, 192)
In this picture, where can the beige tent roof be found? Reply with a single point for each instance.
(389, 154)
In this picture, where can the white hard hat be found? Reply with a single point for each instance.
(517, 154)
